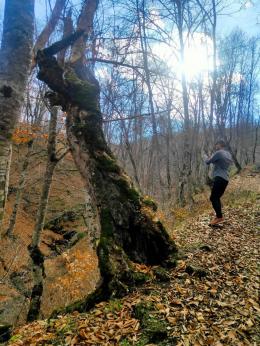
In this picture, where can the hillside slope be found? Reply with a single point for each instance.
(210, 298)
(70, 262)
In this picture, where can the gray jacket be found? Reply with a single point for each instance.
(221, 160)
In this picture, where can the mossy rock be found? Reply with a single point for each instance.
(83, 305)
(196, 271)
(140, 278)
(153, 329)
(70, 238)
(55, 224)
(161, 274)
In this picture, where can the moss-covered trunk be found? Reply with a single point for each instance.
(128, 231)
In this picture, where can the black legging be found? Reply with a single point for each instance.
(219, 187)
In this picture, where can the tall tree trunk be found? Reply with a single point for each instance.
(35, 253)
(214, 61)
(184, 191)
(15, 59)
(155, 155)
(128, 232)
(130, 154)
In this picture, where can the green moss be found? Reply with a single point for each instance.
(83, 93)
(133, 195)
(16, 337)
(106, 239)
(143, 310)
(149, 202)
(140, 278)
(81, 235)
(107, 163)
(114, 305)
(125, 342)
(153, 329)
(156, 330)
(127, 191)
(106, 224)
(143, 341)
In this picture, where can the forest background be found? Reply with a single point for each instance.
(173, 80)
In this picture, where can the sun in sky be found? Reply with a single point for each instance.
(197, 60)
(198, 54)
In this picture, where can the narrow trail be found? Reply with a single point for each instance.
(210, 298)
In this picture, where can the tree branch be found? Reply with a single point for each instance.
(60, 45)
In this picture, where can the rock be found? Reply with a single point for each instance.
(153, 329)
(195, 271)
(156, 330)
(5, 332)
(13, 308)
(21, 281)
(56, 224)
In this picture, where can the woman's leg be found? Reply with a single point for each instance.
(217, 191)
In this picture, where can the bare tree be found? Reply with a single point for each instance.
(15, 59)
(127, 231)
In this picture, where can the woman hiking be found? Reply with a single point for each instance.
(221, 161)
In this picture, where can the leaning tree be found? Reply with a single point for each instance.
(126, 229)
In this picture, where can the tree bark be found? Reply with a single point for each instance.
(15, 59)
(128, 231)
(36, 256)
(155, 155)
(184, 191)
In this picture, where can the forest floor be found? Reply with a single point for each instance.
(210, 298)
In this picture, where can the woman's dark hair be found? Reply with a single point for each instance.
(221, 143)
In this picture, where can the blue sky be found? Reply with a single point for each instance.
(248, 18)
